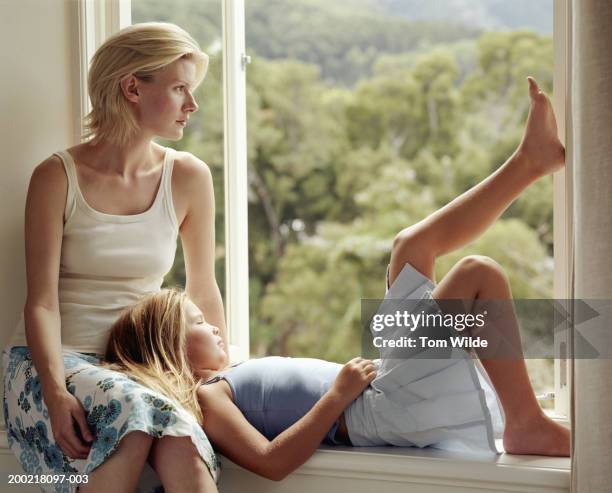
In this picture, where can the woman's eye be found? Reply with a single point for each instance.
(180, 87)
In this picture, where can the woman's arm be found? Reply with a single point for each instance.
(238, 440)
(469, 215)
(43, 239)
(198, 240)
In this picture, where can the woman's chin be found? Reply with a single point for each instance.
(173, 136)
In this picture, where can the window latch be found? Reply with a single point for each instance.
(246, 60)
(545, 396)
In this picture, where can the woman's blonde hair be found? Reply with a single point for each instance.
(148, 343)
(140, 49)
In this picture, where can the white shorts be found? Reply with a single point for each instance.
(447, 403)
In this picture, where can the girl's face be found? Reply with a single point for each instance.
(205, 348)
(163, 102)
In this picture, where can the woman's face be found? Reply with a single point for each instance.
(205, 349)
(163, 102)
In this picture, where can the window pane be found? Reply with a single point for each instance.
(203, 136)
(365, 116)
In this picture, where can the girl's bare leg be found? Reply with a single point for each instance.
(121, 471)
(469, 215)
(180, 467)
(528, 430)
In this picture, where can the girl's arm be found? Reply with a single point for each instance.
(469, 215)
(233, 436)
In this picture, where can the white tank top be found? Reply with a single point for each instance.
(108, 261)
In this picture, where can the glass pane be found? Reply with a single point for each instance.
(365, 116)
(203, 136)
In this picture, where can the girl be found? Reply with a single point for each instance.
(102, 221)
(270, 414)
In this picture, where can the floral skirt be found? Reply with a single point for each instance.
(114, 404)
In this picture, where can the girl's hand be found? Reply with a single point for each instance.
(64, 409)
(541, 147)
(354, 377)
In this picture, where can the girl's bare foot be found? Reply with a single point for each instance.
(539, 435)
(541, 146)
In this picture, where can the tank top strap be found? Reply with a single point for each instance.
(72, 184)
(167, 186)
(222, 374)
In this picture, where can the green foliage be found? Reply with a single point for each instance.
(358, 126)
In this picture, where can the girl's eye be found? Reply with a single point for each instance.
(180, 87)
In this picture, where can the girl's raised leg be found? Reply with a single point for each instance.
(528, 430)
(469, 215)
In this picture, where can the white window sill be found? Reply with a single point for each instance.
(390, 469)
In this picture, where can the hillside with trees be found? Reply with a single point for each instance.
(360, 123)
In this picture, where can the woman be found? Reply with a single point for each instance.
(270, 414)
(102, 220)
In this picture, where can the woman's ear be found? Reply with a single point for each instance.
(129, 88)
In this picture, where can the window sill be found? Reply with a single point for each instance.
(390, 469)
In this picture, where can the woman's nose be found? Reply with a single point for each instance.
(192, 105)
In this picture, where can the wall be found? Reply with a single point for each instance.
(40, 103)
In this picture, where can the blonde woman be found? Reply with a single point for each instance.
(102, 222)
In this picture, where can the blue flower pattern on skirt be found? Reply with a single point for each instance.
(114, 404)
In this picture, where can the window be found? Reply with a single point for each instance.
(207, 136)
(203, 136)
(366, 116)
(350, 108)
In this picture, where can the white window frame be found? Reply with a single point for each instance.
(235, 61)
(100, 18)
(562, 199)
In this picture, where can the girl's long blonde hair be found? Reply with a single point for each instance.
(140, 49)
(148, 343)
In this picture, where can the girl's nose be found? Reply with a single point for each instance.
(215, 330)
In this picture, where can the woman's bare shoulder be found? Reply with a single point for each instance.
(190, 176)
(49, 175)
(188, 168)
(52, 164)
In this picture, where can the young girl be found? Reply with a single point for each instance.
(270, 414)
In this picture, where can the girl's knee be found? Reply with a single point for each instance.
(483, 268)
(408, 248)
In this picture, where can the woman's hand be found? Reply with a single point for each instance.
(354, 377)
(64, 409)
(541, 147)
